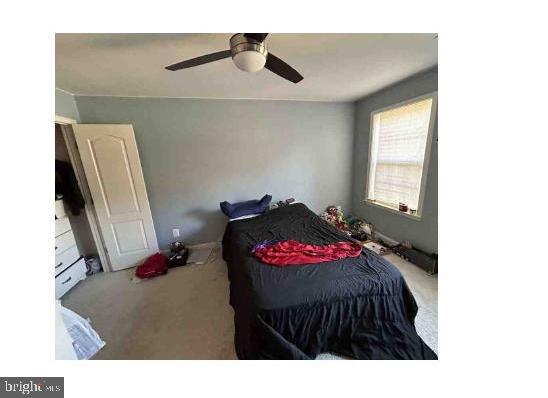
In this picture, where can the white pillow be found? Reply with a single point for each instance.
(254, 215)
(244, 217)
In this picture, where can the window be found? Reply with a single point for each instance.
(398, 154)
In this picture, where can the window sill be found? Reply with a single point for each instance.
(415, 217)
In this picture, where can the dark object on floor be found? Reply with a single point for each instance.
(176, 247)
(356, 307)
(153, 266)
(403, 207)
(360, 229)
(423, 260)
(93, 265)
(178, 255)
(361, 236)
(178, 259)
(66, 187)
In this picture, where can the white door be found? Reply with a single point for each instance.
(113, 170)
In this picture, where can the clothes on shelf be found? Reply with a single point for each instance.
(66, 187)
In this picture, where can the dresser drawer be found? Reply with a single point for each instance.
(70, 277)
(64, 241)
(62, 225)
(60, 209)
(66, 259)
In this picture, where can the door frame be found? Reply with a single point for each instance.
(68, 135)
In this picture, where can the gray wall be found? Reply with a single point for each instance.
(424, 233)
(196, 153)
(65, 105)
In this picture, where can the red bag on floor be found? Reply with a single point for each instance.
(153, 266)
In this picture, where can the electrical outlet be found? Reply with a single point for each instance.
(176, 232)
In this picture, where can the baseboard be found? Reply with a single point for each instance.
(205, 245)
(385, 238)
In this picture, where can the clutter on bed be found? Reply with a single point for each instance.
(235, 210)
(282, 203)
(292, 252)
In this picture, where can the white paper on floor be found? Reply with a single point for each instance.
(85, 340)
(374, 246)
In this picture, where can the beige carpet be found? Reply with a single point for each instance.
(185, 314)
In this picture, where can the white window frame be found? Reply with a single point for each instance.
(426, 161)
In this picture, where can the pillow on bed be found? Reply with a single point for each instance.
(246, 208)
(243, 217)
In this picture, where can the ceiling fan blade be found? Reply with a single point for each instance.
(204, 59)
(279, 67)
(256, 36)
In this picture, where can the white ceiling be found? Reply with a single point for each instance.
(336, 67)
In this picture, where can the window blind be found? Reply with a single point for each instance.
(397, 154)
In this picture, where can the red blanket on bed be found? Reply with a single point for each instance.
(291, 252)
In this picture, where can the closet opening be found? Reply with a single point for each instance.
(77, 235)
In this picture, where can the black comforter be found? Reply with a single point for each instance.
(356, 307)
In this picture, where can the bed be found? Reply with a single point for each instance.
(355, 307)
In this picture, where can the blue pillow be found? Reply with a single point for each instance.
(246, 208)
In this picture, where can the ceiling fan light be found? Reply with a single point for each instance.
(249, 61)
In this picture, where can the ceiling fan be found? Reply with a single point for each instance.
(249, 53)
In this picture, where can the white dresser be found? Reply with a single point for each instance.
(70, 267)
